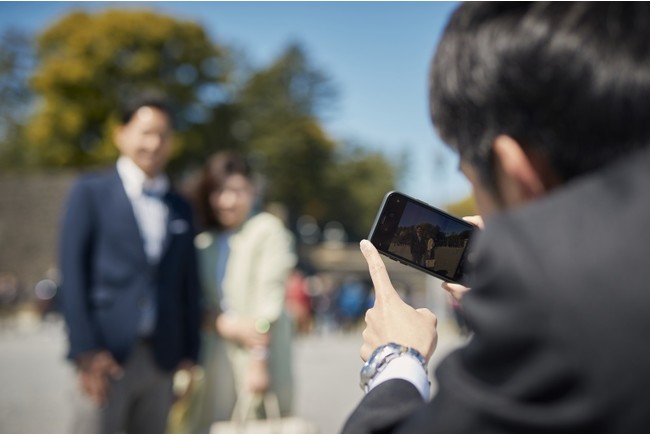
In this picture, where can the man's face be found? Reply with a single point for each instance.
(146, 140)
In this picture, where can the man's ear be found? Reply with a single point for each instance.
(518, 175)
(117, 136)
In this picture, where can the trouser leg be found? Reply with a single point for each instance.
(153, 397)
(138, 402)
(91, 418)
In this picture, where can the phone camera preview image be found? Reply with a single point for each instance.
(423, 237)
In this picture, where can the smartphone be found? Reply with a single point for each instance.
(423, 237)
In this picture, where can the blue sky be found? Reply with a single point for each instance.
(376, 53)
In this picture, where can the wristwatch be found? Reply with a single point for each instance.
(381, 357)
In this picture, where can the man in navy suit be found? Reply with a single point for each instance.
(129, 291)
(547, 104)
(418, 246)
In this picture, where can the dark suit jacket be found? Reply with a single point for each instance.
(561, 320)
(418, 247)
(106, 274)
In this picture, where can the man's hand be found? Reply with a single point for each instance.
(184, 375)
(392, 320)
(455, 289)
(476, 220)
(95, 372)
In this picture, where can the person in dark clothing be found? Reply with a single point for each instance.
(547, 105)
(130, 294)
(418, 246)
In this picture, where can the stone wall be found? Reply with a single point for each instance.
(30, 212)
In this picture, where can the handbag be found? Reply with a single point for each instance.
(273, 424)
(429, 263)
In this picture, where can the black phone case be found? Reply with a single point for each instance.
(396, 224)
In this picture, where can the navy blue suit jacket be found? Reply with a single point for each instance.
(105, 274)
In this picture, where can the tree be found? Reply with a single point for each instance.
(357, 184)
(88, 62)
(16, 60)
(308, 171)
(278, 106)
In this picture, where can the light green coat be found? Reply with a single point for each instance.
(261, 257)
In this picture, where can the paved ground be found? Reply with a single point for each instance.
(35, 381)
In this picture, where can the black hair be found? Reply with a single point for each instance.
(567, 80)
(212, 177)
(156, 100)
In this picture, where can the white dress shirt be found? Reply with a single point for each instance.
(151, 215)
(150, 212)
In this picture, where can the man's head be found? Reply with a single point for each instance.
(535, 94)
(145, 133)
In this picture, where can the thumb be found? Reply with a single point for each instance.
(456, 290)
(476, 220)
(381, 281)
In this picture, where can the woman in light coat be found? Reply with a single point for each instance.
(245, 258)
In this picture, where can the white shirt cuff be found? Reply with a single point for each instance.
(405, 368)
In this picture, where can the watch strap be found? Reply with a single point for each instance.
(383, 355)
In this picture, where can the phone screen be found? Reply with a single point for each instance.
(421, 236)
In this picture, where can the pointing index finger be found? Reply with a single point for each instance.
(378, 274)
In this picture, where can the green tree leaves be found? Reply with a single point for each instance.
(308, 171)
(15, 95)
(88, 63)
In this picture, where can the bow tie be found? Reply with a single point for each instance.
(153, 193)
